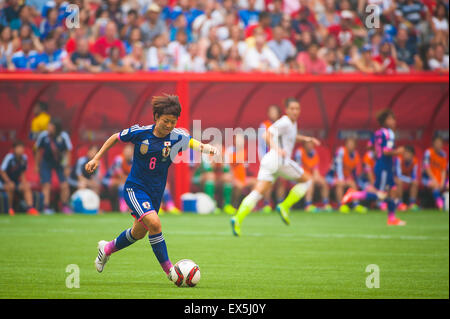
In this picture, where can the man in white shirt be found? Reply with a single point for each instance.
(261, 57)
(281, 137)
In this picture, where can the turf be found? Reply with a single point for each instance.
(318, 256)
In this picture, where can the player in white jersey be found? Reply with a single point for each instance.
(281, 138)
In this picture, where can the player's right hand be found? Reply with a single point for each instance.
(91, 166)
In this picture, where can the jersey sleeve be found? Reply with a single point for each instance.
(40, 139)
(132, 133)
(67, 141)
(5, 162)
(182, 139)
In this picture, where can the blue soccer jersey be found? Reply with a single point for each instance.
(54, 147)
(14, 167)
(384, 140)
(151, 160)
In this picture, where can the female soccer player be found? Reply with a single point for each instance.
(155, 147)
(281, 137)
(385, 152)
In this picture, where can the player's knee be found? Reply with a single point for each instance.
(153, 223)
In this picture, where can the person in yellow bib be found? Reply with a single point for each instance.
(40, 121)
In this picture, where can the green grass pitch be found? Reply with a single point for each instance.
(318, 256)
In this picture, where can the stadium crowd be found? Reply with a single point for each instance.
(305, 36)
(225, 181)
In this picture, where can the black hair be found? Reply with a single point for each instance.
(289, 100)
(43, 106)
(410, 148)
(56, 121)
(166, 105)
(264, 15)
(437, 137)
(383, 115)
(18, 143)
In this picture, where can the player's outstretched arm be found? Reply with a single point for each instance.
(92, 165)
(303, 138)
(203, 148)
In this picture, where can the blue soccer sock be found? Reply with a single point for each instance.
(122, 241)
(436, 194)
(160, 250)
(392, 205)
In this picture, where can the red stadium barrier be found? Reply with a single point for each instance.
(93, 106)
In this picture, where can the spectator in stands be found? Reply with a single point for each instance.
(131, 23)
(440, 61)
(153, 26)
(12, 11)
(263, 23)
(135, 61)
(79, 178)
(135, 37)
(386, 58)
(104, 44)
(304, 19)
(366, 63)
(82, 60)
(25, 18)
(282, 47)
(60, 5)
(275, 12)
(113, 63)
(406, 176)
(157, 57)
(52, 152)
(13, 180)
(197, 62)
(50, 23)
(6, 46)
(180, 25)
(27, 32)
(113, 11)
(413, 14)
(24, 59)
(435, 167)
(329, 17)
(116, 176)
(406, 48)
(439, 24)
(178, 53)
(309, 160)
(210, 18)
(233, 60)
(349, 30)
(309, 62)
(303, 41)
(261, 57)
(215, 57)
(249, 15)
(52, 59)
(235, 39)
(40, 121)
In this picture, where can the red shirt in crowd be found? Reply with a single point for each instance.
(387, 61)
(102, 47)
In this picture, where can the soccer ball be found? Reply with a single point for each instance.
(185, 273)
